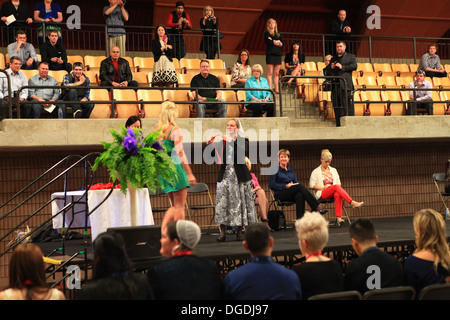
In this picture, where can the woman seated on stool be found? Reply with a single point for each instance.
(260, 195)
(325, 182)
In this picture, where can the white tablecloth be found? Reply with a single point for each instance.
(114, 212)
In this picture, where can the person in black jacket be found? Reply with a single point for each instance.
(373, 269)
(341, 29)
(209, 24)
(342, 65)
(54, 53)
(115, 71)
(164, 73)
(235, 206)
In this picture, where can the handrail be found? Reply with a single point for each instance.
(64, 209)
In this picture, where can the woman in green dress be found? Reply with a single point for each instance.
(173, 141)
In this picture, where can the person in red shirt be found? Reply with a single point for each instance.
(115, 71)
(177, 21)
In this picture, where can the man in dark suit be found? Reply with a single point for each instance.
(342, 65)
(374, 268)
(341, 29)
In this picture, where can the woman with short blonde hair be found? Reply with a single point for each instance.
(326, 184)
(256, 81)
(319, 274)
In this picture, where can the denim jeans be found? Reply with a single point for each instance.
(72, 95)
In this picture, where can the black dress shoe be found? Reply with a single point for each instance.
(323, 211)
(221, 239)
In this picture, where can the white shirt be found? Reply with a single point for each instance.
(18, 81)
(317, 179)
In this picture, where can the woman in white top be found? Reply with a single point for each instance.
(27, 279)
(326, 184)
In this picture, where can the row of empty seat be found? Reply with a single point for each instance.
(138, 106)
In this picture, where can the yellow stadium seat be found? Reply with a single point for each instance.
(441, 102)
(91, 62)
(365, 67)
(190, 64)
(387, 82)
(126, 110)
(233, 109)
(150, 110)
(403, 82)
(372, 108)
(441, 83)
(367, 81)
(143, 64)
(177, 96)
(215, 64)
(58, 75)
(75, 58)
(359, 106)
(141, 78)
(310, 66)
(394, 107)
(382, 68)
(100, 110)
(93, 76)
(413, 67)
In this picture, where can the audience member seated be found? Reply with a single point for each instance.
(286, 188)
(259, 195)
(258, 82)
(430, 263)
(206, 80)
(21, 12)
(27, 279)
(18, 80)
(423, 97)
(360, 273)
(113, 278)
(431, 64)
(164, 73)
(326, 184)
(24, 50)
(293, 62)
(115, 71)
(77, 79)
(261, 278)
(318, 274)
(184, 276)
(241, 70)
(44, 96)
(54, 53)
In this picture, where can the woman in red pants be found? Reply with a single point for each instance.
(326, 184)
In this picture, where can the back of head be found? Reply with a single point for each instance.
(187, 232)
(257, 238)
(109, 255)
(313, 228)
(26, 267)
(168, 115)
(362, 230)
(429, 229)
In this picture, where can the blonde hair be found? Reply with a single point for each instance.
(167, 116)
(248, 163)
(257, 67)
(275, 29)
(208, 7)
(429, 229)
(313, 228)
(326, 155)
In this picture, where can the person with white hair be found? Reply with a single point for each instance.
(263, 97)
(184, 275)
(318, 274)
(326, 184)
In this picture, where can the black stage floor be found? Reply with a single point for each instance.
(391, 232)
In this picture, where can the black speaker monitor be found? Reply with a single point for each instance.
(141, 242)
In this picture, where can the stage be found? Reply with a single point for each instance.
(395, 235)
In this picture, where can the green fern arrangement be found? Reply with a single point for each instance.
(140, 162)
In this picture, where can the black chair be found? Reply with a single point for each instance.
(342, 295)
(277, 204)
(435, 292)
(439, 181)
(157, 194)
(393, 293)
(192, 207)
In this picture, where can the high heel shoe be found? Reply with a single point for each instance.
(356, 204)
(321, 210)
(339, 223)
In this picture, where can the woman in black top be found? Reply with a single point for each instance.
(164, 73)
(274, 43)
(293, 61)
(209, 25)
(21, 12)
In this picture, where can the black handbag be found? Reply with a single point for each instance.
(277, 220)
